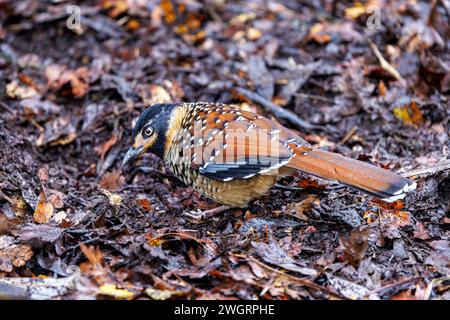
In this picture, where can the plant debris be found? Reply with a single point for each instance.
(74, 225)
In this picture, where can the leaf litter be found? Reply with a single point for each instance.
(68, 103)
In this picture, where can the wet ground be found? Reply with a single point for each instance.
(69, 96)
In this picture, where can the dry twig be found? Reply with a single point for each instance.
(277, 111)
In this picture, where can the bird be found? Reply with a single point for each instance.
(233, 156)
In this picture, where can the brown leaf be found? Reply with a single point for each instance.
(310, 183)
(16, 90)
(93, 254)
(60, 131)
(257, 270)
(404, 295)
(421, 232)
(43, 174)
(391, 217)
(15, 255)
(299, 209)
(116, 7)
(56, 198)
(356, 245)
(58, 76)
(144, 203)
(112, 181)
(159, 95)
(44, 209)
(6, 225)
(104, 148)
(318, 34)
(168, 9)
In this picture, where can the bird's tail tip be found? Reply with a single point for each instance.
(401, 193)
(368, 178)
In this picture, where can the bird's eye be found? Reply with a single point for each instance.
(148, 131)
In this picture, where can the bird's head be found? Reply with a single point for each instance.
(149, 133)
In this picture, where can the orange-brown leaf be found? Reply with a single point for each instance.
(410, 114)
(104, 148)
(44, 209)
(93, 254)
(112, 181)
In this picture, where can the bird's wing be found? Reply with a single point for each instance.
(233, 144)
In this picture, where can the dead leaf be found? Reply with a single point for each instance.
(15, 255)
(116, 7)
(409, 113)
(299, 209)
(355, 12)
(133, 25)
(351, 290)
(144, 203)
(114, 198)
(253, 34)
(322, 32)
(56, 198)
(58, 76)
(158, 95)
(159, 239)
(60, 131)
(318, 34)
(156, 294)
(104, 148)
(34, 106)
(404, 295)
(43, 174)
(37, 235)
(356, 245)
(7, 225)
(93, 254)
(273, 254)
(168, 9)
(112, 291)
(382, 88)
(44, 209)
(391, 217)
(15, 90)
(421, 232)
(310, 183)
(60, 217)
(257, 270)
(112, 181)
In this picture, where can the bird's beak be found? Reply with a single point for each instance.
(131, 154)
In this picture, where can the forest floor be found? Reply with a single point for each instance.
(75, 225)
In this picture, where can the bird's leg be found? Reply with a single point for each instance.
(201, 215)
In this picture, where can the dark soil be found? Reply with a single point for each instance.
(68, 100)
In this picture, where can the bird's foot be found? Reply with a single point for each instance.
(199, 215)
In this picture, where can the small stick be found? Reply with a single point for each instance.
(7, 108)
(396, 284)
(277, 110)
(292, 278)
(428, 171)
(384, 64)
(348, 135)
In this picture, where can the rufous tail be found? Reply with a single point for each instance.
(354, 173)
